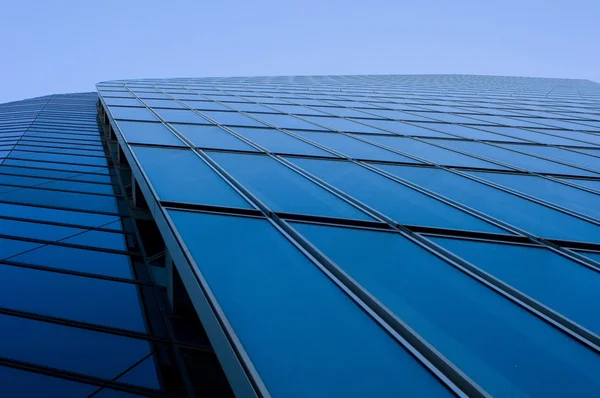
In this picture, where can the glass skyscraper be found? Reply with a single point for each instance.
(308, 236)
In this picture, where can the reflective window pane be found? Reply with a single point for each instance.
(126, 113)
(386, 195)
(563, 195)
(522, 213)
(434, 154)
(550, 278)
(431, 296)
(212, 137)
(282, 189)
(170, 170)
(276, 141)
(293, 354)
(354, 148)
(148, 133)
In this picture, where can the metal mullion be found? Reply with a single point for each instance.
(515, 240)
(211, 209)
(572, 184)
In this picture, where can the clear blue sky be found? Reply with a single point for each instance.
(68, 46)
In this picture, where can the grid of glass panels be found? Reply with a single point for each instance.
(459, 212)
(80, 314)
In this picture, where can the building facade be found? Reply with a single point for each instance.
(326, 236)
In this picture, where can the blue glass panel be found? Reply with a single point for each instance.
(247, 107)
(101, 239)
(300, 354)
(162, 103)
(125, 113)
(76, 201)
(561, 155)
(287, 122)
(433, 153)
(181, 116)
(282, 189)
(97, 301)
(51, 157)
(120, 94)
(512, 158)
(64, 347)
(139, 372)
(467, 132)
(181, 176)
(148, 133)
(276, 141)
(232, 119)
(89, 261)
(505, 121)
(531, 135)
(522, 213)
(404, 128)
(212, 137)
(32, 230)
(344, 125)
(68, 151)
(53, 184)
(444, 117)
(298, 110)
(563, 195)
(401, 203)
(354, 148)
(501, 346)
(19, 383)
(154, 95)
(350, 113)
(56, 166)
(592, 151)
(10, 247)
(206, 105)
(62, 216)
(122, 102)
(547, 277)
(591, 184)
